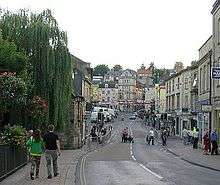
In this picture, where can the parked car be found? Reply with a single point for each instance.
(132, 117)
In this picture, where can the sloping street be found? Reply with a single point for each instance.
(139, 163)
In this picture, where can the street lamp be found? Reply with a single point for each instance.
(79, 99)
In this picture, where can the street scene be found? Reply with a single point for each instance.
(105, 93)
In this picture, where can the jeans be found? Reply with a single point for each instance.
(185, 140)
(35, 165)
(195, 142)
(214, 147)
(151, 138)
(51, 156)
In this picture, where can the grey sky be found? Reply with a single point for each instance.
(130, 32)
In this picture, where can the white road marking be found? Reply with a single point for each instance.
(83, 178)
(144, 167)
(153, 173)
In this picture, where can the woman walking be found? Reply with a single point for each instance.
(206, 142)
(36, 148)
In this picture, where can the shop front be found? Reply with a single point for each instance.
(216, 121)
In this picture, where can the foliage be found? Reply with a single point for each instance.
(117, 67)
(38, 109)
(15, 136)
(160, 75)
(49, 64)
(10, 58)
(13, 92)
(100, 70)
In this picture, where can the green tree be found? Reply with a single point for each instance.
(100, 70)
(160, 75)
(10, 58)
(117, 67)
(49, 64)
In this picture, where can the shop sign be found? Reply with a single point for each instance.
(216, 72)
(206, 108)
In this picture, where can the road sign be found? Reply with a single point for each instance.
(216, 72)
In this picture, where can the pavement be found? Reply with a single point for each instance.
(194, 156)
(67, 164)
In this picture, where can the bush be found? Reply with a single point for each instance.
(13, 92)
(15, 136)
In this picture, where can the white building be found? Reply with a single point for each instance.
(108, 94)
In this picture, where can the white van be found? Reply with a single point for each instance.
(107, 115)
(94, 117)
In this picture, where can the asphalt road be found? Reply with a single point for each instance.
(138, 163)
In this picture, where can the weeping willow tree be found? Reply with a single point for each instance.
(49, 64)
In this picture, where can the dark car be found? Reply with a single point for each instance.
(132, 117)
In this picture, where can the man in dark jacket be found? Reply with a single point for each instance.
(52, 146)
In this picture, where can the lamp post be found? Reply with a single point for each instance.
(79, 99)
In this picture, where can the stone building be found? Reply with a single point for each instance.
(81, 101)
(112, 76)
(203, 85)
(127, 90)
(215, 96)
(108, 93)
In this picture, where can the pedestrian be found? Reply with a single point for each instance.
(164, 137)
(124, 135)
(52, 146)
(185, 136)
(151, 136)
(30, 134)
(214, 138)
(36, 147)
(195, 138)
(206, 143)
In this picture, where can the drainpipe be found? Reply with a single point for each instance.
(210, 89)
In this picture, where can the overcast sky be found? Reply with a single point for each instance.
(130, 32)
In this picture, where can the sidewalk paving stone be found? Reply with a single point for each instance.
(195, 156)
(67, 164)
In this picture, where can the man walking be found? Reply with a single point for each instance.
(151, 136)
(195, 138)
(164, 137)
(52, 146)
(185, 136)
(214, 137)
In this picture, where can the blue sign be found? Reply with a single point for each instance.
(216, 72)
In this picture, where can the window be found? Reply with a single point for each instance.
(200, 80)
(205, 78)
(170, 87)
(186, 83)
(173, 102)
(218, 31)
(186, 101)
(173, 85)
(166, 103)
(178, 101)
(178, 83)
